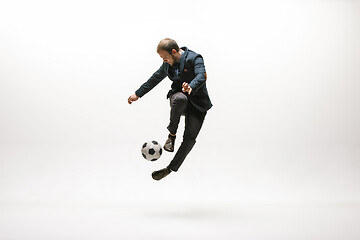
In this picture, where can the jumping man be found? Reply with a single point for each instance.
(188, 96)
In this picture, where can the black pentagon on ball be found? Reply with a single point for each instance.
(144, 155)
(155, 142)
(160, 151)
(151, 151)
(154, 159)
(144, 146)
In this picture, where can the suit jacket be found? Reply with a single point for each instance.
(192, 71)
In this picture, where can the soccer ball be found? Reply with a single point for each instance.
(151, 151)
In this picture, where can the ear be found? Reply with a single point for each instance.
(173, 51)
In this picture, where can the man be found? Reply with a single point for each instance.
(188, 96)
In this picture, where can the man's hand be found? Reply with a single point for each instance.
(132, 98)
(186, 88)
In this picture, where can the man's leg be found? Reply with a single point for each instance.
(178, 104)
(193, 123)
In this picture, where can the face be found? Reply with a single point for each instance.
(169, 58)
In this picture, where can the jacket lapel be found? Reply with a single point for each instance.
(182, 61)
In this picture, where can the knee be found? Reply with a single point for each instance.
(179, 99)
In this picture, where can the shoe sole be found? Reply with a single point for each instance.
(169, 150)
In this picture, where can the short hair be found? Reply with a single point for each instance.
(167, 44)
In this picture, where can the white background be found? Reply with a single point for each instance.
(283, 77)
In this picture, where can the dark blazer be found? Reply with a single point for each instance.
(192, 71)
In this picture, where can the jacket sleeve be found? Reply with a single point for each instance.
(154, 80)
(200, 74)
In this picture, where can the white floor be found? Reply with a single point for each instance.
(255, 221)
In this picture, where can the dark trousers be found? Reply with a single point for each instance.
(193, 121)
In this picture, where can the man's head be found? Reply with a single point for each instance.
(169, 51)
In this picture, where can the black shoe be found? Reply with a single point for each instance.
(157, 175)
(169, 144)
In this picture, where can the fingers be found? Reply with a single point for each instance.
(186, 88)
(132, 98)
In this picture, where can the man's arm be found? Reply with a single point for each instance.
(157, 77)
(154, 80)
(200, 76)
